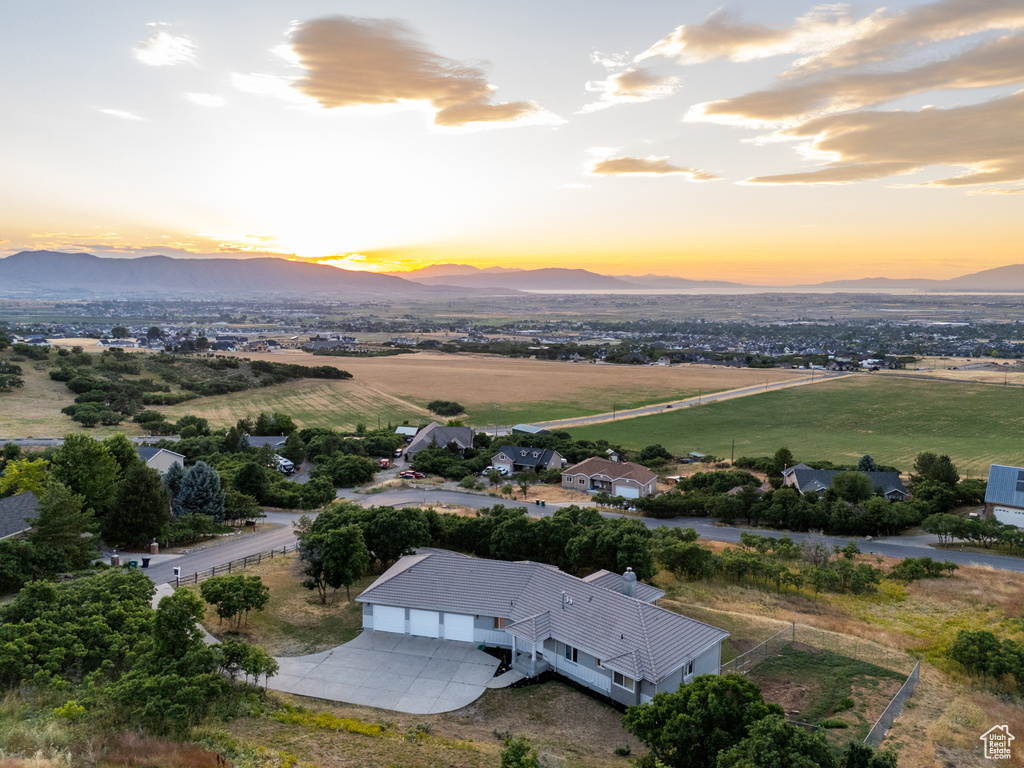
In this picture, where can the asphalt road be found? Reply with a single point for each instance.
(896, 546)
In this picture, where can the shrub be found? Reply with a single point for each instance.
(623, 751)
(445, 407)
(844, 705)
(833, 722)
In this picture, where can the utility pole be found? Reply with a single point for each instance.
(732, 456)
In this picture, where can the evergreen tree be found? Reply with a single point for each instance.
(866, 464)
(61, 528)
(294, 449)
(173, 478)
(251, 480)
(201, 493)
(141, 507)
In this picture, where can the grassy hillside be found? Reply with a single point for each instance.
(891, 419)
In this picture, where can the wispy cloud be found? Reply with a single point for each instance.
(206, 99)
(650, 166)
(350, 62)
(162, 49)
(984, 139)
(120, 113)
(632, 85)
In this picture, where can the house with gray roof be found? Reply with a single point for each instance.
(1004, 495)
(455, 439)
(618, 478)
(274, 441)
(517, 459)
(807, 480)
(603, 632)
(16, 513)
(159, 459)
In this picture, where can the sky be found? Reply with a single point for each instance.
(767, 143)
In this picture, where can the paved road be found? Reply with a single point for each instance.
(816, 377)
(896, 546)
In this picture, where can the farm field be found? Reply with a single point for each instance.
(494, 390)
(892, 419)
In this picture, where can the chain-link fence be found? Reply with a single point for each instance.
(841, 645)
(877, 732)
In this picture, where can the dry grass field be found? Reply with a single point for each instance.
(494, 390)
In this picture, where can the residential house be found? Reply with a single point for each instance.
(517, 459)
(807, 480)
(274, 441)
(16, 514)
(603, 632)
(407, 432)
(618, 478)
(455, 439)
(1004, 495)
(159, 459)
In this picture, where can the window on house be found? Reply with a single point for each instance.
(689, 668)
(599, 664)
(499, 623)
(582, 481)
(624, 682)
(572, 654)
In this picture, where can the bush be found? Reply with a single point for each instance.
(844, 705)
(445, 408)
(624, 751)
(147, 417)
(833, 722)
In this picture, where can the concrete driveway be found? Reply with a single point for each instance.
(417, 675)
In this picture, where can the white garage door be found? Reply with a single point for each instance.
(628, 492)
(424, 623)
(388, 619)
(458, 627)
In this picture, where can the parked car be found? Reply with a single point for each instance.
(503, 470)
(411, 475)
(384, 463)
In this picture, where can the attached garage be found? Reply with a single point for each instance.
(458, 627)
(388, 619)
(424, 623)
(627, 491)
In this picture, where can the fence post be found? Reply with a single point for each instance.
(259, 558)
(196, 574)
(229, 566)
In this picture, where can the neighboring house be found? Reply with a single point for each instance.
(529, 429)
(516, 459)
(618, 478)
(329, 345)
(456, 439)
(407, 432)
(1004, 495)
(159, 459)
(807, 480)
(274, 441)
(15, 511)
(602, 632)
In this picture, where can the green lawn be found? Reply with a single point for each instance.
(891, 419)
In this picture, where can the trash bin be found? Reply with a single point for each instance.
(145, 562)
(133, 565)
(537, 502)
(543, 503)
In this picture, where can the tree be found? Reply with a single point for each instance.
(494, 476)
(937, 469)
(294, 449)
(688, 729)
(119, 332)
(61, 530)
(853, 487)
(346, 471)
(124, 453)
(345, 557)
(392, 533)
(654, 454)
(173, 478)
(317, 492)
(154, 333)
(86, 467)
(775, 743)
(524, 480)
(866, 464)
(235, 596)
(519, 754)
(142, 506)
(445, 407)
(251, 479)
(24, 475)
(782, 459)
(201, 493)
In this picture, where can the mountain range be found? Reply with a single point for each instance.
(32, 274)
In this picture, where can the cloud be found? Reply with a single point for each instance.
(120, 113)
(206, 99)
(652, 166)
(352, 62)
(632, 85)
(724, 35)
(996, 191)
(984, 139)
(162, 49)
(991, 64)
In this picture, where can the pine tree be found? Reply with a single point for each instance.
(60, 528)
(173, 478)
(201, 493)
(140, 509)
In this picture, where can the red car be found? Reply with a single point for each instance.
(410, 475)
